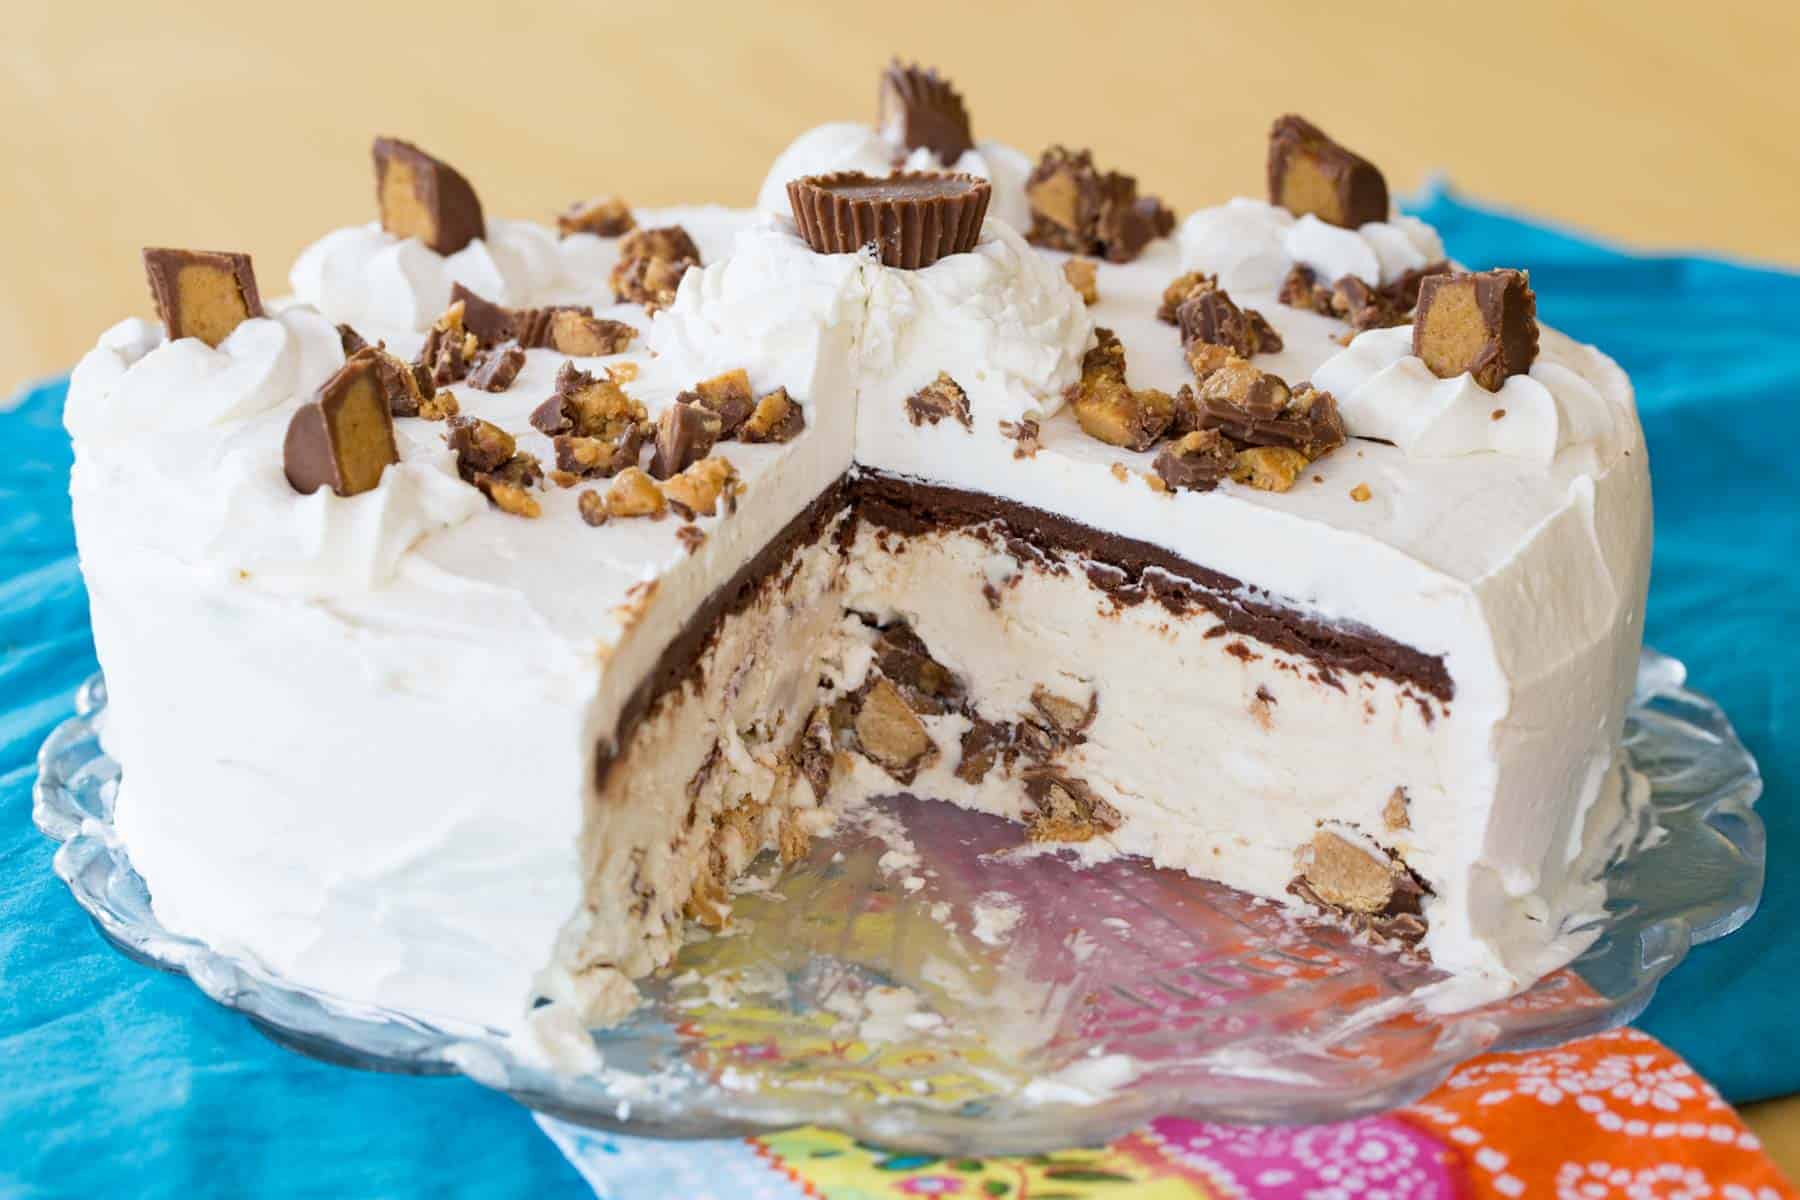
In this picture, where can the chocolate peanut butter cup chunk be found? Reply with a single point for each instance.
(942, 397)
(449, 347)
(1310, 173)
(912, 218)
(700, 485)
(727, 396)
(201, 294)
(588, 406)
(1195, 461)
(1483, 324)
(597, 458)
(1372, 887)
(651, 264)
(1354, 299)
(605, 216)
(583, 335)
(1204, 312)
(494, 370)
(408, 387)
(343, 438)
(1106, 406)
(1079, 208)
(488, 457)
(916, 108)
(1254, 408)
(685, 434)
(425, 198)
(777, 418)
(490, 323)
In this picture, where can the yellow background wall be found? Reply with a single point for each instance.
(246, 125)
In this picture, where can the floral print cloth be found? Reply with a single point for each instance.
(1616, 1115)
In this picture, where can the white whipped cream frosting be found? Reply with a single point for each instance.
(1252, 244)
(365, 275)
(135, 382)
(1385, 392)
(854, 146)
(182, 444)
(773, 307)
(1001, 318)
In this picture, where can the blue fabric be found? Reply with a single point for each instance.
(115, 1080)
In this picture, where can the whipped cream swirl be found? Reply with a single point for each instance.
(853, 146)
(1251, 245)
(1000, 319)
(184, 443)
(135, 382)
(1563, 401)
(365, 276)
(773, 307)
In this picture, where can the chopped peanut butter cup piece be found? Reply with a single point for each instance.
(1484, 324)
(926, 684)
(700, 486)
(449, 348)
(605, 216)
(1373, 888)
(651, 264)
(1352, 299)
(202, 294)
(1068, 718)
(343, 438)
(1068, 810)
(984, 743)
(1196, 461)
(1078, 208)
(776, 419)
(1107, 408)
(1268, 468)
(581, 335)
(592, 457)
(685, 434)
(917, 109)
(890, 734)
(494, 370)
(408, 388)
(490, 323)
(508, 495)
(1254, 408)
(1201, 309)
(942, 397)
(1310, 173)
(634, 494)
(422, 197)
(587, 405)
(912, 218)
(727, 396)
(480, 446)
(592, 506)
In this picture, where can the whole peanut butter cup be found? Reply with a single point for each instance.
(913, 218)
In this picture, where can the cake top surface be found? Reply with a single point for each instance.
(1248, 389)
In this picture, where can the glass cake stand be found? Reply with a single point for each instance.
(958, 998)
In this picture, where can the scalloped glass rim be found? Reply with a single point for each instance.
(1699, 880)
